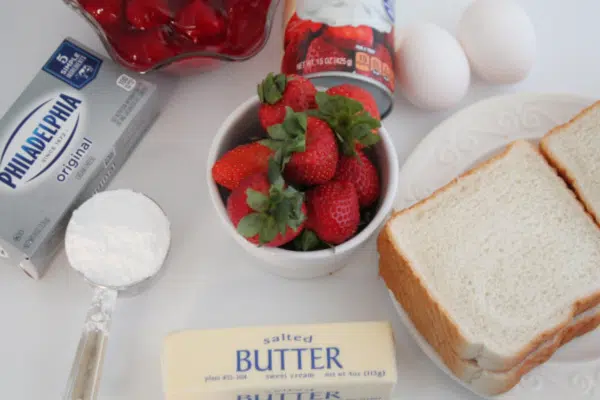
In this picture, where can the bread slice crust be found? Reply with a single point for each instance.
(487, 383)
(561, 168)
(432, 320)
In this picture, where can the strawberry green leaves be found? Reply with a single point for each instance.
(293, 129)
(288, 137)
(281, 209)
(274, 212)
(270, 91)
(348, 119)
(274, 173)
(256, 200)
(307, 241)
(250, 225)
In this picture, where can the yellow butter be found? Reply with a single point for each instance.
(351, 361)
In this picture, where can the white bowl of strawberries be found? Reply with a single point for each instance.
(301, 177)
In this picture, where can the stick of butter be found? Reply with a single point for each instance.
(340, 361)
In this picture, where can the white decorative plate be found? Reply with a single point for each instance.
(468, 137)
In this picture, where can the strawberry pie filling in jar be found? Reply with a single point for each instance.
(332, 42)
(179, 36)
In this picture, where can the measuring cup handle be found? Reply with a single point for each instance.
(87, 366)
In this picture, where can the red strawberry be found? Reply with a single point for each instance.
(387, 66)
(354, 127)
(360, 172)
(359, 94)
(142, 49)
(266, 213)
(146, 14)
(241, 162)
(348, 36)
(333, 211)
(246, 25)
(106, 12)
(315, 164)
(322, 56)
(176, 5)
(277, 92)
(298, 29)
(305, 147)
(200, 22)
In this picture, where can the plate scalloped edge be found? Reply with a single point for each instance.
(456, 145)
(493, 123)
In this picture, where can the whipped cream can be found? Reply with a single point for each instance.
(332, 42)
(63, 140)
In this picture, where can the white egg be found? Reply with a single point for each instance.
(433, 71)
(499, 40)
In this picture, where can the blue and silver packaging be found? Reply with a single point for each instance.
(62, 141)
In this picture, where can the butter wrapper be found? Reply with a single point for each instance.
(348, 361)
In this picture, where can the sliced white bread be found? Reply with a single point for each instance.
(494, 266)
(574, 149)
(489, 383)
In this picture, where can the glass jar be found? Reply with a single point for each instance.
(179, 36)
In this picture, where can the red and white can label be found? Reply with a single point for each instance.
(350, 36)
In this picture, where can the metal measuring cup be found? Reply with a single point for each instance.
(86, 371)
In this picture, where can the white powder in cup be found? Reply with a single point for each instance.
(118, 238)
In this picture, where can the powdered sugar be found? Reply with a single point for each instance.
(118, 238)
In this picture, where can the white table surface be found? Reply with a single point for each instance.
(210, 282)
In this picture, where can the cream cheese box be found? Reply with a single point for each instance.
(341, 361)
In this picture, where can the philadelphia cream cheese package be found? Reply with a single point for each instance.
(63, 139)
(340, 361)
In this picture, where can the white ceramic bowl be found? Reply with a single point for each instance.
(242, 124)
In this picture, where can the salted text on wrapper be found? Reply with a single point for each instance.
(301, 362)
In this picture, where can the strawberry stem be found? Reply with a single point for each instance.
(271, 89)
(274, 173)
(288, 137)
(348, 119)
(273, 213)
(308, 241)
